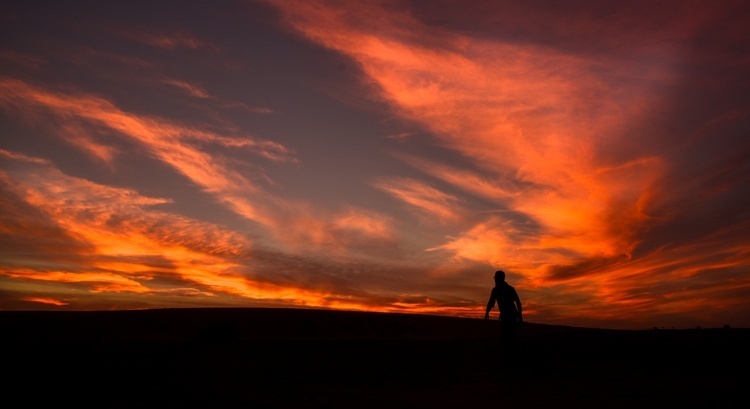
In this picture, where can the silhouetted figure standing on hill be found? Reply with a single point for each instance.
(511, 312)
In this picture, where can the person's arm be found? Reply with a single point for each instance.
(519, 306)
(490, 304)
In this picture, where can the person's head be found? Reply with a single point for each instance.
(499, 276)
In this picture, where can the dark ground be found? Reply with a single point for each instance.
(284, 358)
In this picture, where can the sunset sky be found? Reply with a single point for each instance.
(379, 156)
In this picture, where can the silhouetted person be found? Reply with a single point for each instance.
(511, 312)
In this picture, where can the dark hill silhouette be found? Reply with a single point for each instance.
(305, 358)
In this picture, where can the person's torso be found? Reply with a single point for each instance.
(505, 299)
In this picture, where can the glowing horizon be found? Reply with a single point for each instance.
(379, 156)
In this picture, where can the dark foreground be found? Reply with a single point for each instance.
(284, 358)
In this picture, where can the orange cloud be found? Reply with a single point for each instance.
(131, 247)
(184, 149)
(191, 89)
(559, 137)
(423, 197)
(99, 282)
(168, 41)
(521, 112)
(584, 150)
(165, 140)
(48, 301)
(466, 180)
(366, 222)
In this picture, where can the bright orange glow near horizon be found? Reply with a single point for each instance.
(379, 156)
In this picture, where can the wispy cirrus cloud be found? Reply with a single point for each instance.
(522, 113)
(597, 152)
(470, 181)
(191, 89)
(110, 238)
(207, 158)
(165, 140)
(366, 222)
(565, 132)
(26, 60)
(423, 197)
(114, 240)
(169, 41)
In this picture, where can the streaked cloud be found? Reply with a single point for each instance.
(191, 89)
(169, 41)
(113, 240)
(538, 122)
(380, 155)
(165, 140)
(427, 199)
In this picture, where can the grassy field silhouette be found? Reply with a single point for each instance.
(307, 358)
